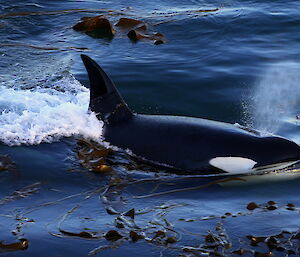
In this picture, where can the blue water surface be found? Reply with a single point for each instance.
(237, 62)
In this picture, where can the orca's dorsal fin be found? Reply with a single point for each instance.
(105, 99)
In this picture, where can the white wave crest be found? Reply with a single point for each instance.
(46, 114)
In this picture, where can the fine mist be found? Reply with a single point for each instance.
(276, 98)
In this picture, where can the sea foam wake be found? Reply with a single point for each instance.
(46, 114)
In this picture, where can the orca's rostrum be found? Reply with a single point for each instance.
(187, 145)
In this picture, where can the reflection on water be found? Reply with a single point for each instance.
(62, 200)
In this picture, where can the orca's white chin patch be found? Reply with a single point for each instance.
(233, 164)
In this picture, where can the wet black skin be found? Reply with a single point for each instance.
(183, 143)
(188, 144)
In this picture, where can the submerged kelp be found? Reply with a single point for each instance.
(162, 232)
(6, 163)
(124, 218)
(100, 26)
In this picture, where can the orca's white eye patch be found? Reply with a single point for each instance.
(233, 164)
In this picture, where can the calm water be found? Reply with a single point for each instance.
(238, 64)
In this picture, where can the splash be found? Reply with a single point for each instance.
(276, 98)
(46, 114)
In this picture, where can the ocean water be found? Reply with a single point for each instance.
(232, 61)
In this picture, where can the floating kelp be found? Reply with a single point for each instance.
(127, 23)
(83, 234)
(126, 220)
(21, 245)
(99, 249)
(190, 188)
(217, 239)
(100, 159)
(240, 251)
(138, 30)
(98, 27)
(102, 168)
(283, 242)
(44, 47)
(93, 157)
(6, 163)
(111, 211)
(106, 12)
(255, 240)
(135, 236)
(218, 244)
(21, 193)
(162, 233)
(267, 254)
(252, 206)
(113, 235)
(130, 213)
(270, 206)
(184, 12)
(290, 207)
(151, 225)
(135, 35)
(59, 12)
(21, 222)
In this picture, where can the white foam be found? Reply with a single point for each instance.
(46, 114)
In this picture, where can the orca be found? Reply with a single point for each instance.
(184, 145)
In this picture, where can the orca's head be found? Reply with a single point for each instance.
(262, 154)
(274, 150)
